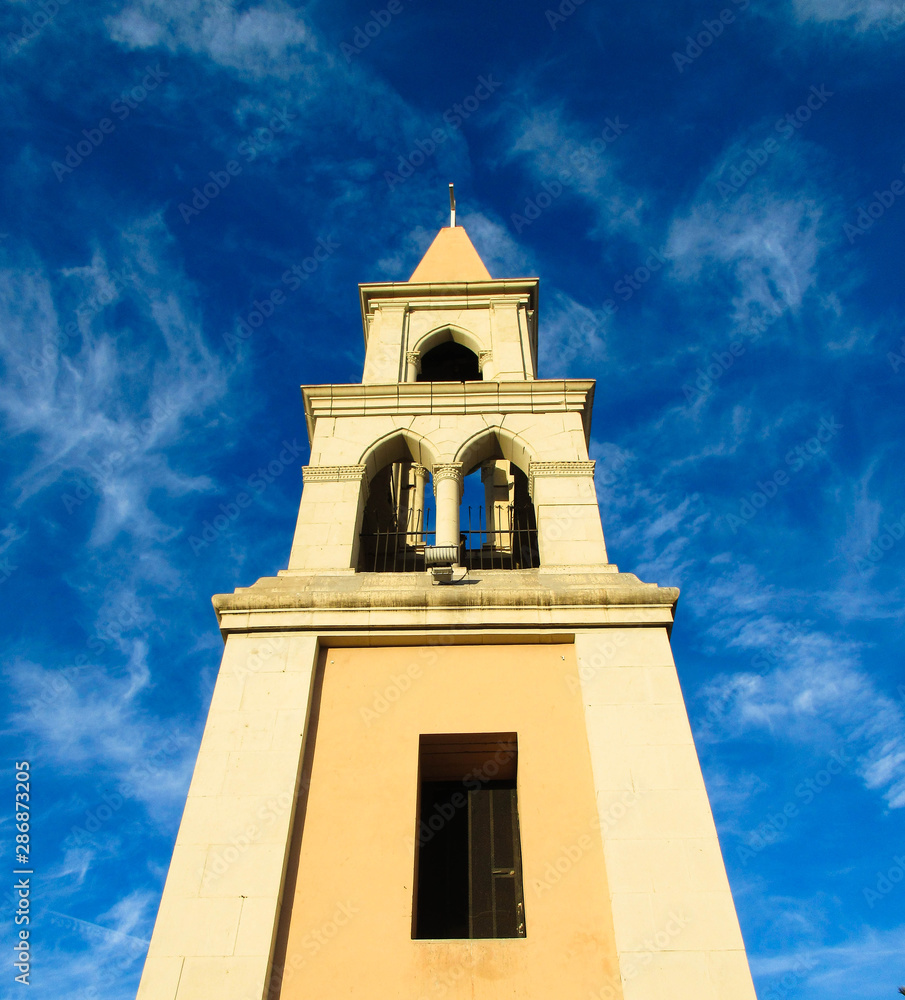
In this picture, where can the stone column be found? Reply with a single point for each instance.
(412, 366)
(448, 492)
(498, 488)
(419, 476)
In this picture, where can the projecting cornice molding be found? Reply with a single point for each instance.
(332, 473)
(514, 600)
(542, 470)
(449, 398)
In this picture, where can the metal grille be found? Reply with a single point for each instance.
(510, 543)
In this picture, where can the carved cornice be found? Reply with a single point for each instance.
(569, 469)
(332, 473)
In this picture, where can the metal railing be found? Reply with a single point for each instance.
(510, 543)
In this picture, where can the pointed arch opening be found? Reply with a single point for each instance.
(449, 355)
(497, 520)
(397, 522)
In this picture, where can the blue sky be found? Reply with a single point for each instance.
(713, 196)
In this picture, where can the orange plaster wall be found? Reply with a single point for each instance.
(347, 930)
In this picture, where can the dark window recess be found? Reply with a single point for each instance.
(469, 870)
(450, 362)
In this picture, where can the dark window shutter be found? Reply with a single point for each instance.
(496, 901)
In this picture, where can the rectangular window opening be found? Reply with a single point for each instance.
(468, 863)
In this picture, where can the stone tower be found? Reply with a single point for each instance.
(448, 756)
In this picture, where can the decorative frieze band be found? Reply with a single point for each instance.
(332, 473)
(545, 469)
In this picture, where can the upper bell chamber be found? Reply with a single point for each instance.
(450, 322)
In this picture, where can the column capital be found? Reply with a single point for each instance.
(448, 470)
(484, 357)
(421, 471)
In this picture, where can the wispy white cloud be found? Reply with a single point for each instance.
(574, 159)
(858, 15)
(265, 39)
(807, 685)
(851, 968)
(769, 245)
(103, 405)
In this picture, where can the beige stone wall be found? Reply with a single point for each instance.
(490, 321)
(215, 928)
(348, 925)
(677, 932)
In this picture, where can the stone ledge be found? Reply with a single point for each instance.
(517, 591)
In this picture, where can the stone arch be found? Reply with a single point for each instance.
(400, 445)
(449, 331)
(495, 442)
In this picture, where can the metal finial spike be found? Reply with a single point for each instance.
(452, 207)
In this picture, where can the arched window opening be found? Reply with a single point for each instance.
(497, 523)
(398, 520)
(450, 362)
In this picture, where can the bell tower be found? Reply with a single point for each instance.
(447, 753)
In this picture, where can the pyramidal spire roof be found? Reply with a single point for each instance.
(451, 257)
